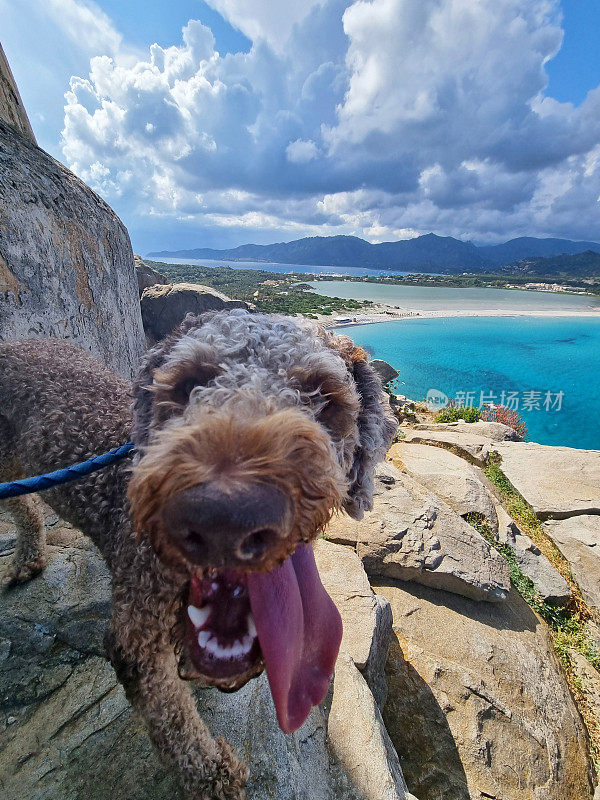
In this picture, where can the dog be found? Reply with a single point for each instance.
(250, 431)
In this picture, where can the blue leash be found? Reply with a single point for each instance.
(39, 482)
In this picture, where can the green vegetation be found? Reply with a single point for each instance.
(453, 413)
(268, 291)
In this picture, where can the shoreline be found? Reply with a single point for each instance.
(391, 314)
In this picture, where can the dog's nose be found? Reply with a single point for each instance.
(220, 528)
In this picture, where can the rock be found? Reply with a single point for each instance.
(67, 730)
(578, 539)
(550, 584)
(367, 617)
(12, 109)
(470, 446)
(448, 476)
(495, 431)
(385, 371)
(146, 275)
(66, 265)
(478, 706)
(558, 482)
(589, 679)
(365, 750)
(412, 534)
(164, 307)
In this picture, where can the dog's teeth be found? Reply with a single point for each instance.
(203, 638)
(199, 615)
(251, 626)
(247, 642)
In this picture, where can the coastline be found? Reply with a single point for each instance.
(382, 313)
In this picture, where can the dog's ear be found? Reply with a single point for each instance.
(376, 425)
(142, 394)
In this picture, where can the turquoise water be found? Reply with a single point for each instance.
(440, 298)
(501, 354)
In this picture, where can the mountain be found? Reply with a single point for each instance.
(528, 247)
(585, 264)
(428, 253)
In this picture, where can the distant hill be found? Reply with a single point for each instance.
(428, 253)
(528, 247)
(585, 264)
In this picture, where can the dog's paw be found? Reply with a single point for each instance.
(223, 778)
(21, 572)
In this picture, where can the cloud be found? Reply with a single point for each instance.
(381, 118)
(301, 151)
(264, 19)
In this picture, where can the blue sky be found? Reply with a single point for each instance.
(227, 121)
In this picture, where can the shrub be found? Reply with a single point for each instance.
(507, 416)
(453, 413)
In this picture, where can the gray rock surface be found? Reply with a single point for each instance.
(68, 732)
(495, 431)
(448, 476)
(557, 482)
(469, 445)
(550, 584)
(385, 371)
(412, 534)
(66, 264)
(478, 706)
(578, 539)
(367, 617)
(164, 307)
(146, 275)
(12, 109)
(365, 750)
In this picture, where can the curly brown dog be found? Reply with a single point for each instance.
(250, 432)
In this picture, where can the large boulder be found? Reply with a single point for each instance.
(385, 371)
(146, 275)
(558, 482)
(67, 730)
(448, 476)
(578, 539)
(164, 307)
(412, 534)
(66, 264)
(478, 706)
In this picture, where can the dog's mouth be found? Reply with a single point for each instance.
(237, 623)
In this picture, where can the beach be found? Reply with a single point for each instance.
(384, 313)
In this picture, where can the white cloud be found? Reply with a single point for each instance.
(301, 151)
(86, 25)
(264, 19)
(383, 119)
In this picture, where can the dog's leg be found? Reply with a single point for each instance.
(29, 558)
(207, 769)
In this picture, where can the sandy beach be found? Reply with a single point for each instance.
(383, 313)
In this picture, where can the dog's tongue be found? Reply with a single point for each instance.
(299, 630)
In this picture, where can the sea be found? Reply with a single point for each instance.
(547, 369)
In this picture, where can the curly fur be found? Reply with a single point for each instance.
(229, 396)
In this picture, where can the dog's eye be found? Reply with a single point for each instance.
(201, 377)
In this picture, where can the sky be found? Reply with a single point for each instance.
(212, 124)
